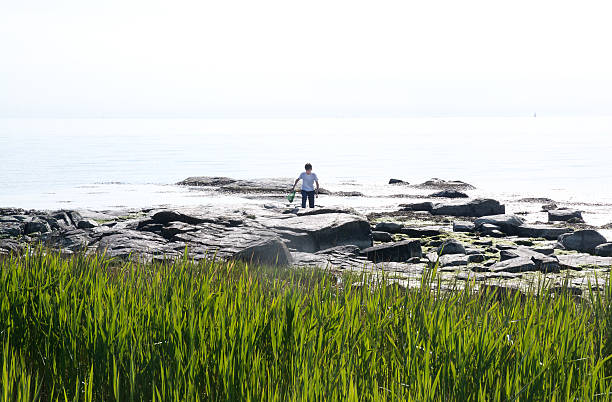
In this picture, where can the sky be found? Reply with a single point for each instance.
(232, 59)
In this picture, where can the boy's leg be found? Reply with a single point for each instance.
(311, 197)
(304, 195)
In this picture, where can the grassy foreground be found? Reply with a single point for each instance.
(89, 328)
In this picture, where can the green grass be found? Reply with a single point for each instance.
(90, 328)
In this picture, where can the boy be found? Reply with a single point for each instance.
(308, 191)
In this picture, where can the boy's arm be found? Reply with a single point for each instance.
(317, 192)
(295, 184)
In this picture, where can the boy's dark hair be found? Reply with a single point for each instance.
(308, 166)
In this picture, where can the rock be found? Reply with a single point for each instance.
(168, 232)
(435, 184)
(544, 263)
(36, 226)
(521, 264)
(417, 206)
(549, 207)
(319, 211)
(451, 247)
(344, 250)
(543, 231)
(604, 250)
(478, 207)
(206, 181)
(398, 252)
(577, 261)
(536, 200)
(522, 242)
(166, 216)
(397, 181)
(268, 252)
(87, 224)
(318, 232)
(449, 194)
(490, 230)
(506, 223)
(389, 227)
(8, 246)
(544, 250)
(448, 260)
(582, 240)
(427, 231)
(74, 239)
(11, 229)
(476, 258)
(347, 194)
(381, 236)
(463, 226)
(483, 242)
(564, 215)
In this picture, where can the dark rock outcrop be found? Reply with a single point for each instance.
(507, 224)
(449, 194)
(565, 215)
(382, 236)
(397, 181)
(604, 250)
(476, 208)
(544, 231)
(585, 241)
(451, 247)
(462, 226)
(270, 252)
(400, 251)
(418, 206)
(438, 184)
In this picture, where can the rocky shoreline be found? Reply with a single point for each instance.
(469, 239)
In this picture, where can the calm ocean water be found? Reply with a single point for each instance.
(104, 163)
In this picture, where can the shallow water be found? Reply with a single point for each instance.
(110, 163)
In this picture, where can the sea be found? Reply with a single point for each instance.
(101, 164)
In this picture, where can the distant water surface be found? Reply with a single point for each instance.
(104, 163)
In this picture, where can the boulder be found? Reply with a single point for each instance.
(578, 261)
(448, 260)
(451, 247)
(166, 216)
(564, 215)
(11, 229)
(549, 207)
(397, 181)
(438, 184)
(36, 226)
(544, 263)
(604, 250)
(206, 181)
(318, 232)
(463, 226)
(449, 194)
(544, 231)
(381, 236)
(400, 251)
(507, 224)
(389, 227)
(87, 224)
(582, 240)
(268, 252)
(417, 206)
(477, 208)
(520, 264)
(476, 258)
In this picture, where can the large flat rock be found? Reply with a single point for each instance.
(478, 207)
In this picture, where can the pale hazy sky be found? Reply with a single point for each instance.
(183, 58)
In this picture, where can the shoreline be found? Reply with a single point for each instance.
(489, 242)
